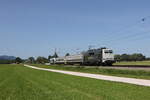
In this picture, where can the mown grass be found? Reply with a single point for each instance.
(133, 63)
(102, 70)
(21, 83)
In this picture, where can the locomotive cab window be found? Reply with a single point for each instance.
(108, 51)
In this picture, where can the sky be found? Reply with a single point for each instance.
(38, 27)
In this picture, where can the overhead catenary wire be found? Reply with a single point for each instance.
(121, 30)
(121, 38)
(132, 38)
(131, 35)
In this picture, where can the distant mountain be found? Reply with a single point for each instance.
(5, 57)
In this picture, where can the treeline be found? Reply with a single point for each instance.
(130, 57)
(31, 60)
(10, 61)
(40, 59)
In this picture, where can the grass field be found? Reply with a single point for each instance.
(102, 70)
(133, 63)
(21, 83)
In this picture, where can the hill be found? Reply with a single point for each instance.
(5, 57)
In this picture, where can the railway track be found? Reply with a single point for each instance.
(115, 66)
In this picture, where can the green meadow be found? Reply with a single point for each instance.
(145, 63)
(21, 83)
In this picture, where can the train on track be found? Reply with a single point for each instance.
(100, 56)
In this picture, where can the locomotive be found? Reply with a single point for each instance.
(100, 56)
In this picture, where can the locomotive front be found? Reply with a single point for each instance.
(107, 56)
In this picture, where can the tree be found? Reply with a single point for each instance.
(139, 57)
(41, 60)
(55, 55)
(124, 57)
(117, 57)
(49, 57)
(18, 60)
(67, 54)
(130, 57)
(31, 60)
(148, 58)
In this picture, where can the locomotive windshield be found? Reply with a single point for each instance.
(108, 51)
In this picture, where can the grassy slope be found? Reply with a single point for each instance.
(21, 83)
(133, 63)
(107, 71)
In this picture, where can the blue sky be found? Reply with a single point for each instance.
(37, 27)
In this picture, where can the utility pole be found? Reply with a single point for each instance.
(55, 50)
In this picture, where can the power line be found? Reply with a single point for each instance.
(121, 30)
(130, 35)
